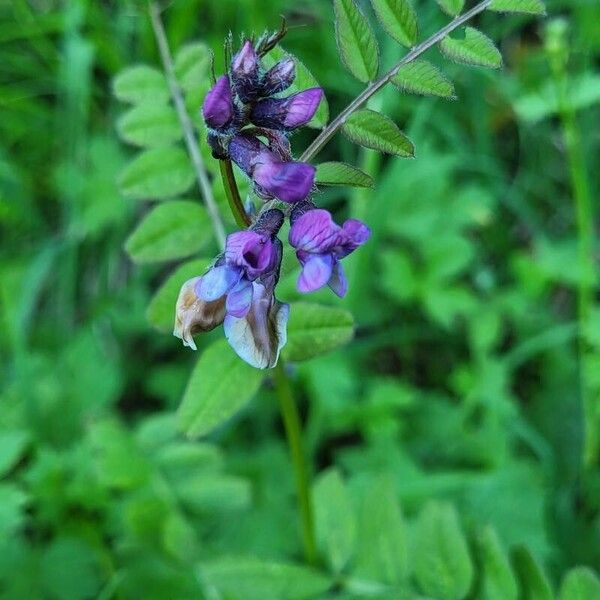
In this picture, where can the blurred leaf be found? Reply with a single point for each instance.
(161, 310)
(170, 230)
(533, 583)
(443, 566)
(179, 537)
(378, 132)
(150, 125)
(12, 447)
(498, 579)
(334, 518)
(192, 65)
(70, 570)
(141, 83)
(421, 77)
(220, 385)
(534, 7)
(12, 509)
(451, 7)
(157, 174)
(336, 173)
(356, 41)
(204, 493)
(304, 80)
(398, 18)
(314, 329)
(584, 91)
(182, 460)
(382, 553)
(580, 583)
(253, 579)
(474, 48)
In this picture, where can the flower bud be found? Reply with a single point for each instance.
(287, 113)
(244, 72)
(217, 109)
(193, 315)
(286, 181)
(279, 77)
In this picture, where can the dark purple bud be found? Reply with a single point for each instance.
(244, 150)
(217, 145)
(287, 113)
(286, 181)
(217, 109)
(269, 222)
(279, 77)
(244, 72)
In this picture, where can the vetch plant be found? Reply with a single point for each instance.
(246, 118)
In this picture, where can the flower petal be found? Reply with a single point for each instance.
(259, 337)
(338, 282)
(217, 109)
(302, 107)
(286, 181)
(251, 250)
(217, 282)
(239, 299)
(315, 273)
(314, 232)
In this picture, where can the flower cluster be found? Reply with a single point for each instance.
(245, 98)
(238, 290)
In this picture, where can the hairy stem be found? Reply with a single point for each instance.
(186, 124)
(291, 421)
(327, 133)
(233, 195)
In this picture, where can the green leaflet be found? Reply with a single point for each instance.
(157, 174)
(443, 567)
(533, 583)
(398, 18)
(580, 583)
(303, 81)
(451, 7)
(356, 41)
(192, 65)
(421, 77)
(243, 578)
(150, 125)
(334, 518)
(378, 132)
(474, 49)
(220, 385)
(336, 173)
(314, 329)
(170, 230)
(534, 7)
(498, 580)
(139, 84)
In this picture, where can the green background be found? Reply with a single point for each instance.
(447, 439)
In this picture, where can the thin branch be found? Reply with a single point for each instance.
(233, 194)
(374, 87)
(186, 124)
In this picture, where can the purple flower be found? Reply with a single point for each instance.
(244, 72)
(288, 181)
(320, 245)
(252, 255)
(278, 78)
(217, 109)
(287, 113)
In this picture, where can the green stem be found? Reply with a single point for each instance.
(585, 237)
(291, 421)
(233, 195)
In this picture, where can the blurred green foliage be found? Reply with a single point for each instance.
(446, 440)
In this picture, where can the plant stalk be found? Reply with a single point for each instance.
(291, 421)
(186, 124)
(233, 195)
(329, 131)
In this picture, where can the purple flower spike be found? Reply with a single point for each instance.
(244, 71)
(320, 245)
(287, 113)
(217, 109)
(279, 77)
